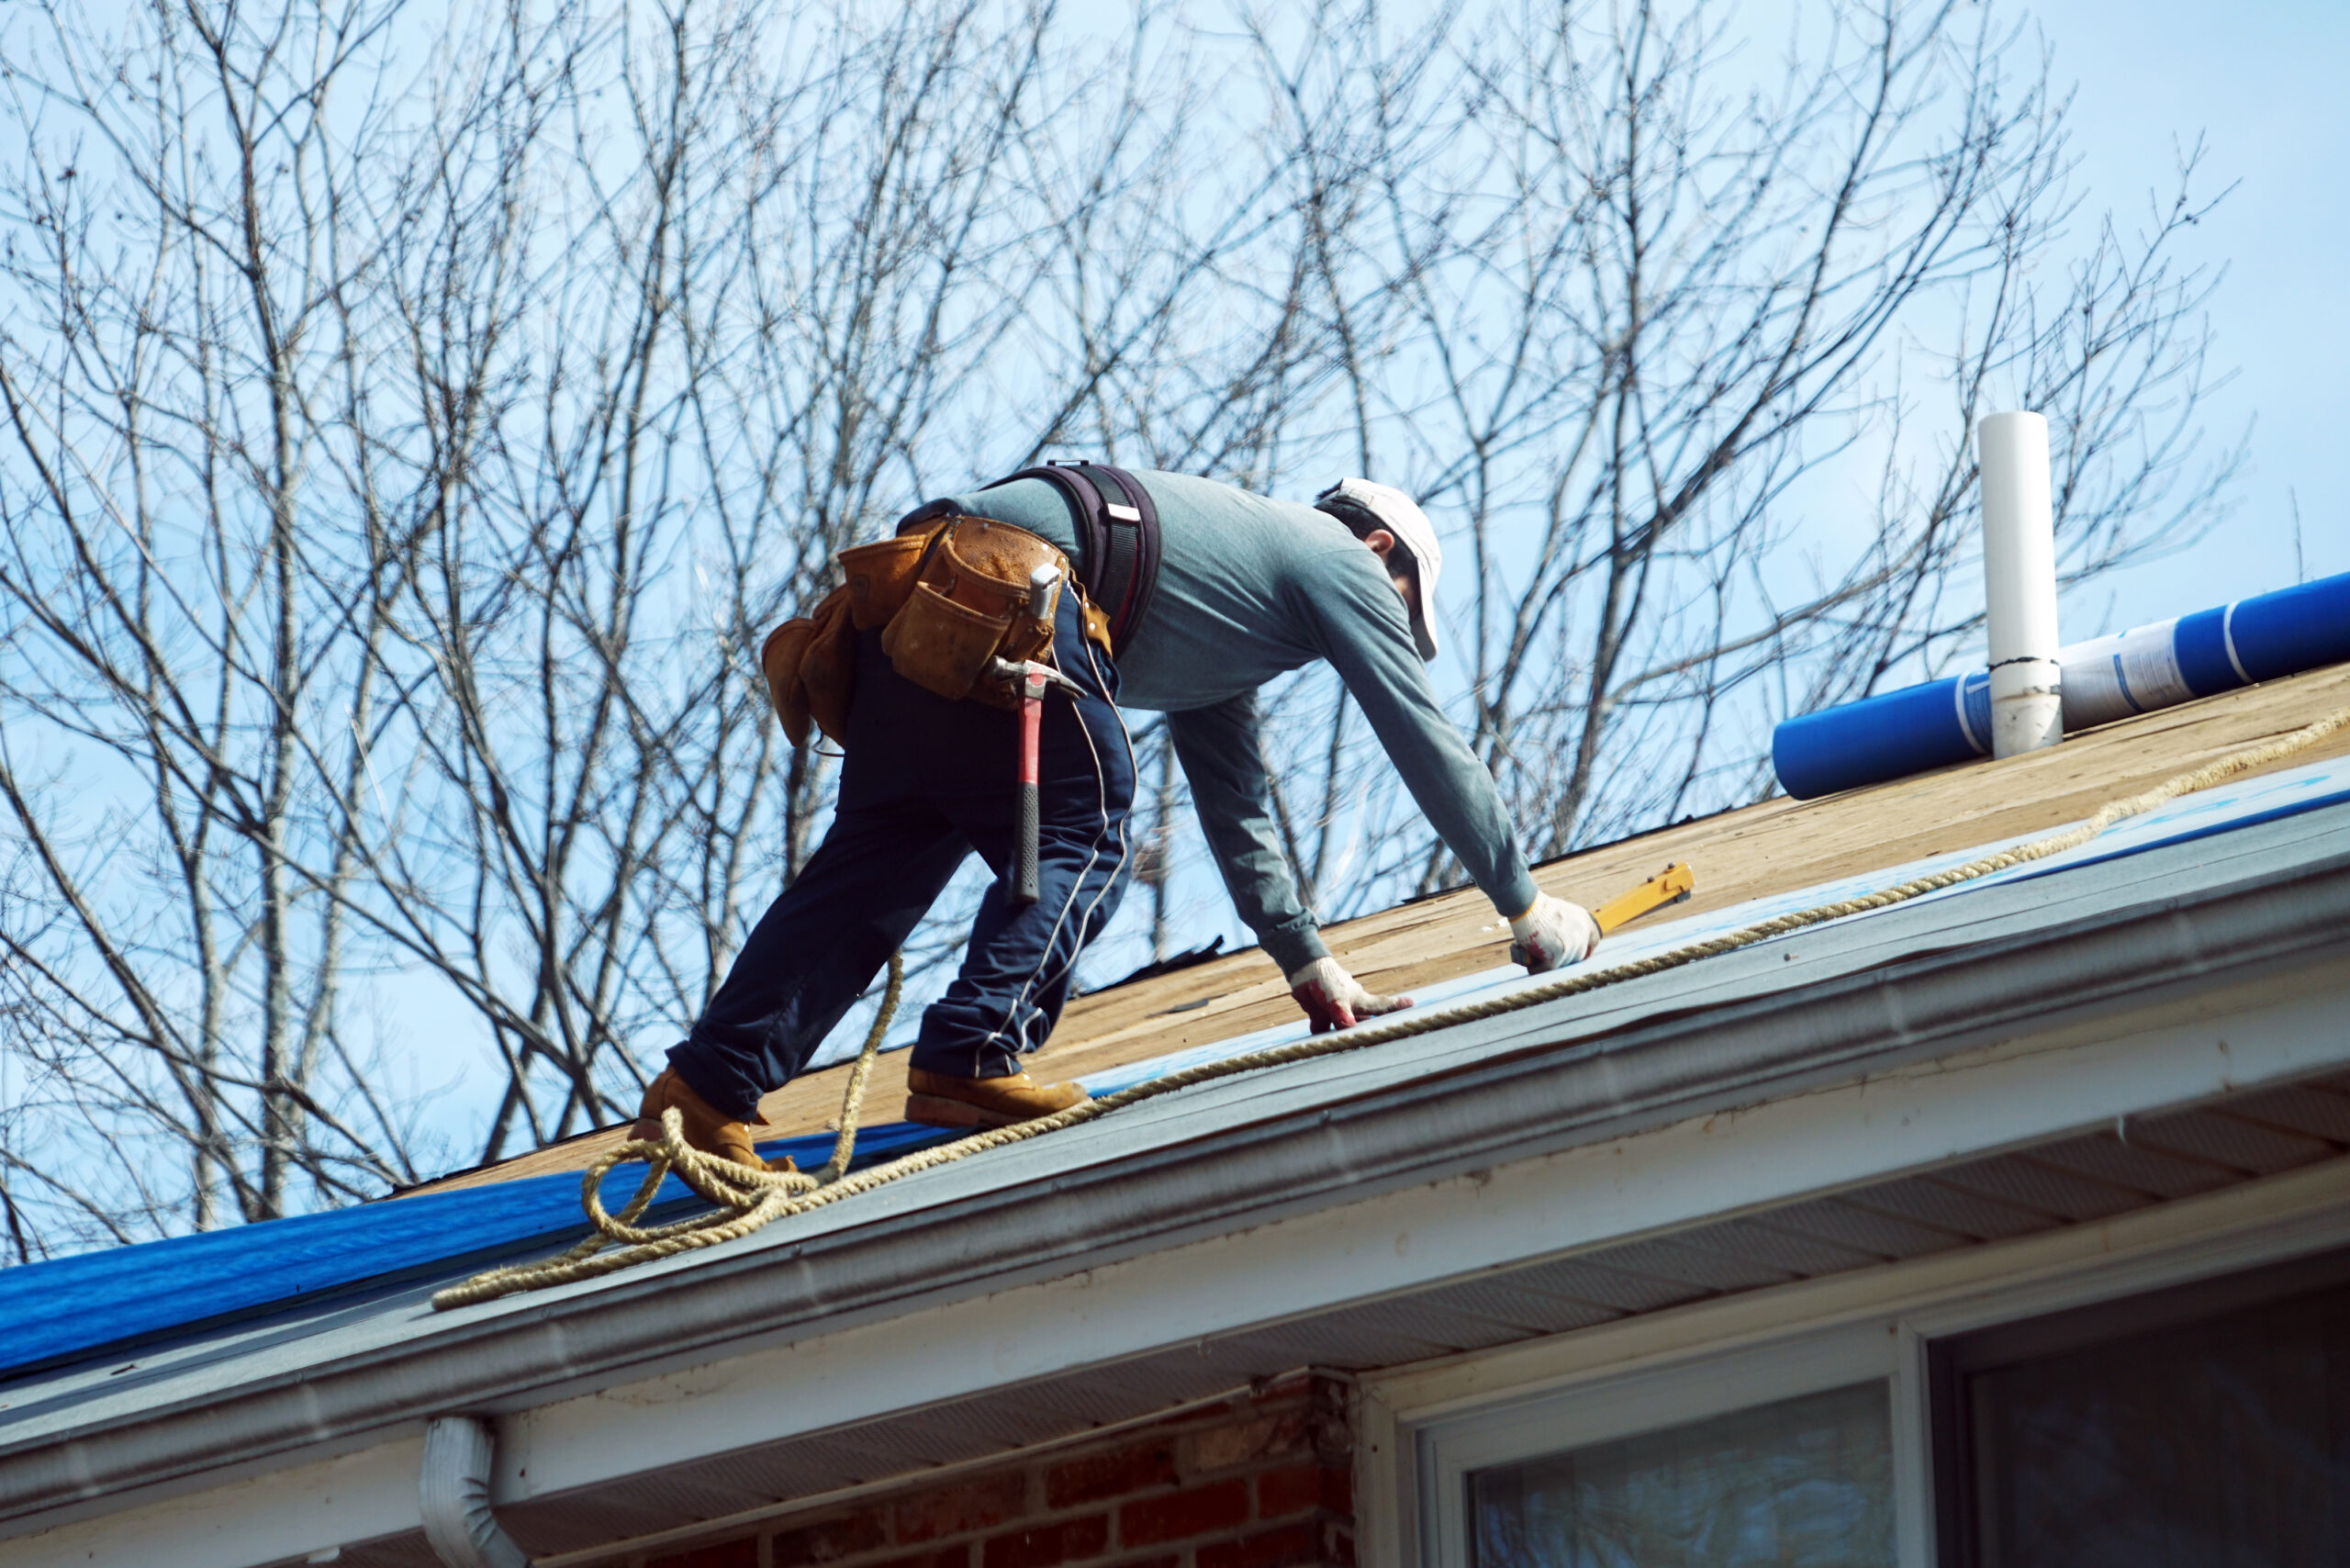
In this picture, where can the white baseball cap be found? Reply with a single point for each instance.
(1400, 515)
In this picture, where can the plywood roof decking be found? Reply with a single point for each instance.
(1774, 847)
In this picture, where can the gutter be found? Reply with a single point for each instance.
(1752, 1026)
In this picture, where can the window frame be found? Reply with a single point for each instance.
(1648, 1400)
(1421, 1428)
(1952, 1358)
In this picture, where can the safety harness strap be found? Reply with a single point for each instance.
(1117, 531)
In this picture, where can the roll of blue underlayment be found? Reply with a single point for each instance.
(1919, 727)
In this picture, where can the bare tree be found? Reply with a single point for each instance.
(186, 635)
(412, 430)
(1649, 319)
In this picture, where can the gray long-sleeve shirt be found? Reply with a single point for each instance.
(1250, 589)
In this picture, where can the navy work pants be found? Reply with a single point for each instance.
(926, 781)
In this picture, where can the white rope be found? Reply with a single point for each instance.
(749, 1199)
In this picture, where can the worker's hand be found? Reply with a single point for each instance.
(1553, 935)
(1334, 999)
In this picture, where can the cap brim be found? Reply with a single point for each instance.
(1423, 635)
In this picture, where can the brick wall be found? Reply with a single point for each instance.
(1262, 1481)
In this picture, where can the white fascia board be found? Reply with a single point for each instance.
(278, 1515)
(1703, 1169)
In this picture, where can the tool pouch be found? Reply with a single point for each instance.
(950, 596)
(879, 577)
(966, 606)
(810, 666)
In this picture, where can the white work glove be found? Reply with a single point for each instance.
(1553, 935)
(1334, 999)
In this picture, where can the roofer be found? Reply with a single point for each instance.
(1196, 594)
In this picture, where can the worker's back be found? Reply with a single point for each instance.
(1246, 587)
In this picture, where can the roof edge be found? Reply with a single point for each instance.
(1771, 1022)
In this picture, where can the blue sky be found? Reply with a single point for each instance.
(2261, 83)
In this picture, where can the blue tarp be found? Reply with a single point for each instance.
(69, 1306)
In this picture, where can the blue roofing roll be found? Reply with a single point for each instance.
(1887, 736)
(2293, 629)
(2212, 651)
(1921, 727)
(2199, 646)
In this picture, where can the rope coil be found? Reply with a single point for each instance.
(748, 1200)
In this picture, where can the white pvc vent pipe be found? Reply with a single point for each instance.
(2019, 584)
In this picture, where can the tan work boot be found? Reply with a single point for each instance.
(940, 1101)
(706, 1127)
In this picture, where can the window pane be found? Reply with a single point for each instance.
(1806, 1484)
(2219, 1444)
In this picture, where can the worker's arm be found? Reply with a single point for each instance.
(1359, 625)
(1224, 762)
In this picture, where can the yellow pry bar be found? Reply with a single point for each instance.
(1672, 885)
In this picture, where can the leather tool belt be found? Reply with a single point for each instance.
(950, 596)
